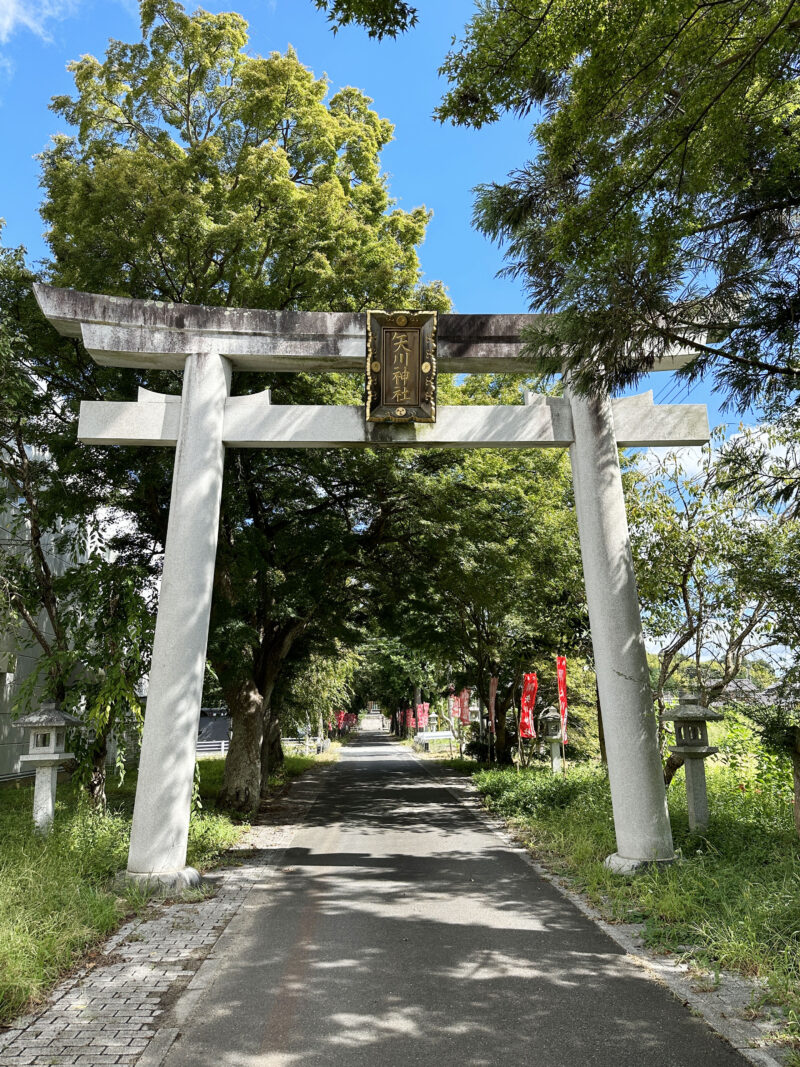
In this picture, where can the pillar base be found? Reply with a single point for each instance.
(160, 883)
(622, 865)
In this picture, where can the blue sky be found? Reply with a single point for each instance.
(427, 164)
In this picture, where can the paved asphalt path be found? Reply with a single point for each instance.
(400, 930)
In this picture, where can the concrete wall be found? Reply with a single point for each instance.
(13, 741)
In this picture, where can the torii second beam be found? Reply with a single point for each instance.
(253, 422)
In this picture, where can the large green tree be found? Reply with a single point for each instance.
(204, 174)
(660, 206)
(201, 173)
(482, 567)
(63, 592)
(718, 580)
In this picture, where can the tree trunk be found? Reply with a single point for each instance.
(241, 786)
(96, 786)
(271, 752)
(601, 734)
(502, 744)
(672, 766)
(796, 775)
(272, 657)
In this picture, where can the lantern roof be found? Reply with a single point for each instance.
(47, 715)
(689, 709)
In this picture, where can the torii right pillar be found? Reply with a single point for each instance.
(635, 772)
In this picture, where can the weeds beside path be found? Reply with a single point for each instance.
(56, 895)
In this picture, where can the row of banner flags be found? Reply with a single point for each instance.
(459, 704)
(346, 718)
(418, 720)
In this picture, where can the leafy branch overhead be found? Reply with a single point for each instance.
(661, 206)
(380, 18)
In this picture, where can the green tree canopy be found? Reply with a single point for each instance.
(717, 579)
(201, 173)
(62, 592)
(204, 174)
(660, 208)
(661, 205)
(481, 568)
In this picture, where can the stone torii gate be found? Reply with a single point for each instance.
(209, 344)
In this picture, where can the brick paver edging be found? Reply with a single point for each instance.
(117, 1010)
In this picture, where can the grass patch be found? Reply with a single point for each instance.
(55, 896)
(294, 765)
(732, 902)
(462, 764)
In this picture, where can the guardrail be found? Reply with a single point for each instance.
(207, 747)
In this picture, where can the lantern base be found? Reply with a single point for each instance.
(693, 751)
(622, 865)
(160, 883)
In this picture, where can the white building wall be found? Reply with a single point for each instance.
(19, 654)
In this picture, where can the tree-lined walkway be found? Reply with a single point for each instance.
(399, 929)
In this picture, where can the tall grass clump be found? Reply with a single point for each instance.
(53, 904)
(56, 894)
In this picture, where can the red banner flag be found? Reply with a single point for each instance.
(454, 706)
(561, 671)
(492, 698)
(530, 685)
(463, 697)
(422, 715)
(340, 719)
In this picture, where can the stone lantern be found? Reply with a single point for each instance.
(691, 741)
(550, 725)
(47, 742)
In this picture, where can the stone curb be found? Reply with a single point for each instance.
(720, 1008)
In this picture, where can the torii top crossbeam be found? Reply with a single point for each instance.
(121, 332)
(149, 334)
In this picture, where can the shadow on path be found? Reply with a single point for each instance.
(399, 930)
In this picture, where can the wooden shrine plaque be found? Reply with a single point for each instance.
(401, 366)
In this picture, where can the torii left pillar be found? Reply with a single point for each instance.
(166, 767)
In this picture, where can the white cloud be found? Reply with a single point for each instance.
(33, 15)
(690, 458)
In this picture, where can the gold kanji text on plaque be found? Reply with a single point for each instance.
(401, 366)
